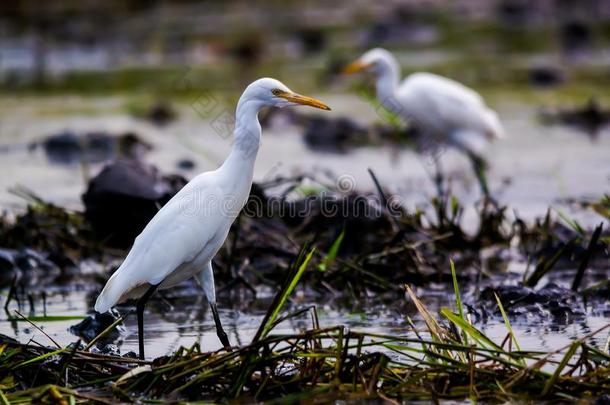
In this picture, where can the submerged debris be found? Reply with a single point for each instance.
(92, 147)
(342, 134)
(546, 76)
(334, 135)
(94, 324)
(186, 164)
(591, 118)
(551, 303)
(161, 113)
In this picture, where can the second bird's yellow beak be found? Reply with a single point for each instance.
(354, 67)
(304, 100)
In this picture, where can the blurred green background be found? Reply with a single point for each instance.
(148, 46)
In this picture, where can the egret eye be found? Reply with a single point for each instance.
(278, 92)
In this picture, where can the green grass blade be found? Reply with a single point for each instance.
(571, 222)
(469, 329)
(513, 337)
(3, 398)
(332, 252)
(458, 298)
(284, 296)
(39, 358)
(564, 362)
(456, 289)
(507, 322)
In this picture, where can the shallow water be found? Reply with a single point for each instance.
(187, 320)
(533, 168)
(536, 166)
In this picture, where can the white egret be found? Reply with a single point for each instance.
(445, 111)
(181, 240)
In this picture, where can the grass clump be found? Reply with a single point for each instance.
(448, 359)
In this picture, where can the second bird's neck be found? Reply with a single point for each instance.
(387, 84)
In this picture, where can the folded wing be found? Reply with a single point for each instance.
(169, 240)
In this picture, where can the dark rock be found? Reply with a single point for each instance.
(334, 134)
(95, 324)
(70, 148)
(550, 303)
(575, 36)
(590, 118)
(545, 76)
(123, 197)
(161, 114)
(186, 164)
(94, 147)
(312, 39)
(130, 355)
(247, 51)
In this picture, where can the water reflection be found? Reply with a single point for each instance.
(183, 319)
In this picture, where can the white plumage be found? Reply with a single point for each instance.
(445, 111)
(179, 242)
(184, 236)
(437, 105)
(455, 106)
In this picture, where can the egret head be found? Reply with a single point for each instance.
(271, 92)
(377, 61)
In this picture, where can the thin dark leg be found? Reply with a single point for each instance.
(140, 310)
(479, 165)
(438, 176)
(11, 293)
(219, 330)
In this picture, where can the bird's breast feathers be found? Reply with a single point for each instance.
(194, 221)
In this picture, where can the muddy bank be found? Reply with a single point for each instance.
(364, 242)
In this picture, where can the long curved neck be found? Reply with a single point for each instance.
(246, 141)
(387, 82)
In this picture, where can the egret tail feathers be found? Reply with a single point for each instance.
(496, 130)
(116, 291)
(470, 142)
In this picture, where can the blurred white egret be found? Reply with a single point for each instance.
(445, 111)
(184, 236)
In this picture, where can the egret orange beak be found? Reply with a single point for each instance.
(355, 67)
(304, 100)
